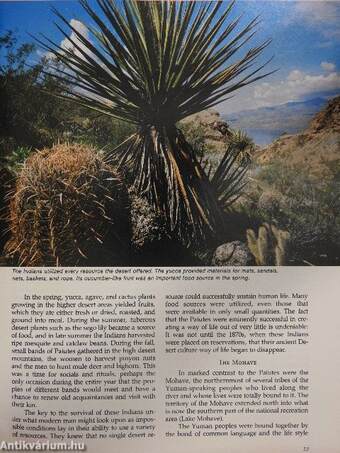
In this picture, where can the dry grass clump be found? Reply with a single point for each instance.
(69, 208)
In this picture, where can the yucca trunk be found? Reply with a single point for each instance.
(166, 171)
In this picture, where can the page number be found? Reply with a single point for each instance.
(305, 448)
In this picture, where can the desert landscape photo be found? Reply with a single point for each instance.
(169, 133)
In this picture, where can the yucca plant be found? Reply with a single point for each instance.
(153, 63)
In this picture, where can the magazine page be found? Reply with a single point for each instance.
(169, 225)
(247, 362)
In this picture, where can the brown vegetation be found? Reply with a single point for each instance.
(69, 208)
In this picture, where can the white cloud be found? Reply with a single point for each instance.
(326, 66)
(74, 45)
(318, 11)
(297, 85)
(321, 15)
(66, 44)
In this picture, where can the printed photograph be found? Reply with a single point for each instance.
(169, 133)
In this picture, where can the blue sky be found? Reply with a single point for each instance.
(305, 34)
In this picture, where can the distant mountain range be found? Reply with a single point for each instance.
(267, 123)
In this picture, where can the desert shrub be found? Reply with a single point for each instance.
(272, 203)
(196, 135)
(96, 130)
(69, 208)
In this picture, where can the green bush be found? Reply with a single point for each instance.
(16, 159)
(96, 130)
(196, 135)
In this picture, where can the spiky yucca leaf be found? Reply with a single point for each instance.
(229, 177)
(152, 64)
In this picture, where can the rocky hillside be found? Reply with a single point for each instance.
(327, 119)
(314, 148)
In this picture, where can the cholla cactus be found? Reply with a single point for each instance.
(270, 247)
(281, 248)
(69, 208)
